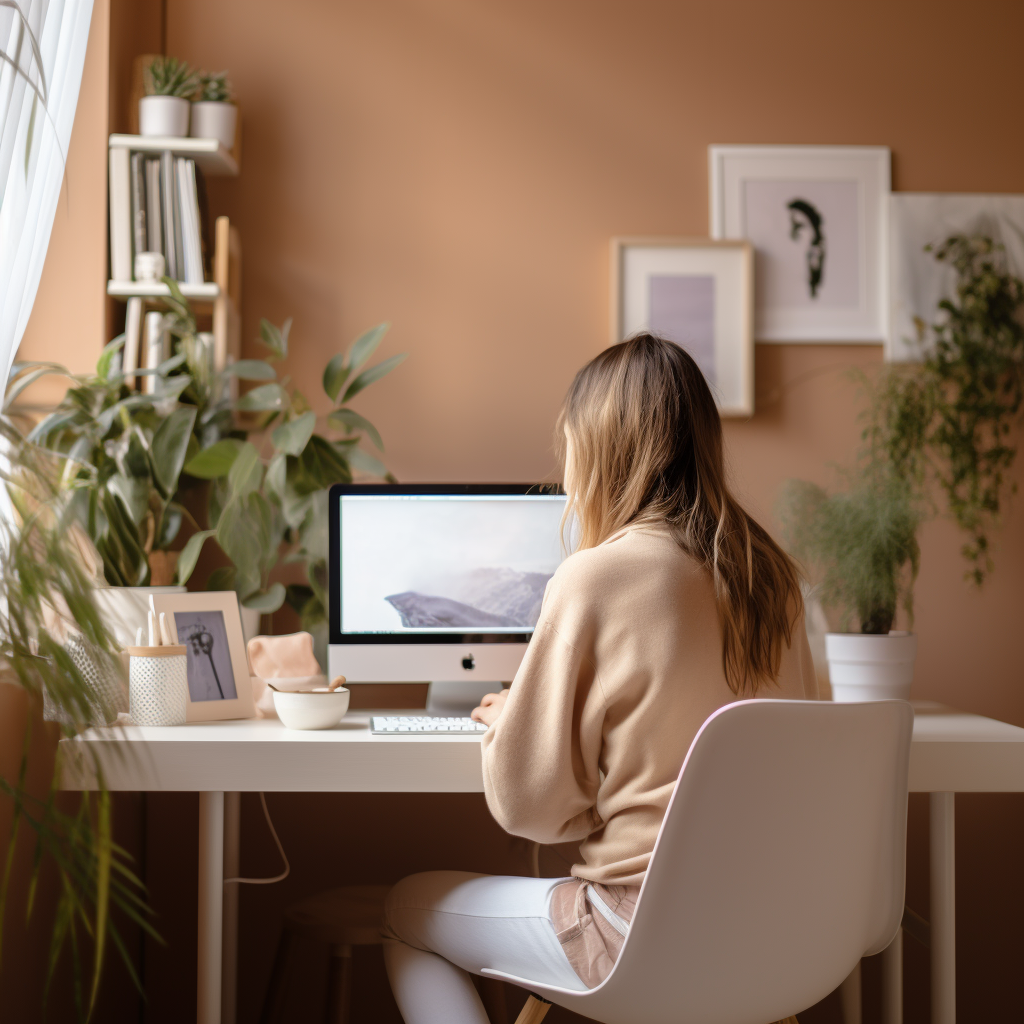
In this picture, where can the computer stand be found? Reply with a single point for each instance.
(458, 699)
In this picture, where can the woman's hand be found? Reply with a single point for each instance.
(490, 708)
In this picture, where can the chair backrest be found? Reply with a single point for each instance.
(780, 863)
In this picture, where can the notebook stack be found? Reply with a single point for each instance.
(157, 204)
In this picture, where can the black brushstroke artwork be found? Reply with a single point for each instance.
(202, 643)
(803, 214)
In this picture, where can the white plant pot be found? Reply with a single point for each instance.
(163, 115)
(125, 609)
(213, 119)
(865, 666)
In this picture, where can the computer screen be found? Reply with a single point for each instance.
(445, 564)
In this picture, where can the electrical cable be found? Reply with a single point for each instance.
(280, 849)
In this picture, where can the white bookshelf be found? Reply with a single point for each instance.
(208, 290)
(208, 154)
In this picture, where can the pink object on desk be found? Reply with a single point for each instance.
(285, 661)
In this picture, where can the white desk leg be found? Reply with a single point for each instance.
(849, 997)
(229, 969)
(892, 981)
(211, 906)
(943, 914)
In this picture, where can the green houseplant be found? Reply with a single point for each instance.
(144, 470)
(214, 115)
(269, 487)
(47, 623)
(170, 83)
(939, 437)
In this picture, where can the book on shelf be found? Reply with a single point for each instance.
(120, 216)
(157, 204)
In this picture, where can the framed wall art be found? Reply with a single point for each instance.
(817, 219)
(699, 294)
(917, 280)
(210, 626)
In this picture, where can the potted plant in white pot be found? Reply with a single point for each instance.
(941, 435)
(862, 545)
(164, 110)
(214, 115)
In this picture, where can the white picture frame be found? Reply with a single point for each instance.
(209, 624)
(699, 294)
(817, 217)
(917, 280)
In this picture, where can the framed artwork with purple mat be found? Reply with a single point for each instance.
(698, 293)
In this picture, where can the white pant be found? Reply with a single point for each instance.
(441, 924)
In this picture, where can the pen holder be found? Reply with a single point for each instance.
(157, 685)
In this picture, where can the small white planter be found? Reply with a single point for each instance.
(865, 666)
(163, 115)
(213, 119)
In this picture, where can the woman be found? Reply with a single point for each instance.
(674, 604)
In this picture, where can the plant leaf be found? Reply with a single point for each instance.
(350, 420)
(170, 443)
(292, 437)
(366, 462)
(335, 375)
(266, 601)
(251, 369)
(275, 338)
(246, 473)
(265, 398)
(364, 346)
(374, 373)
(190, 554)
(215, 461)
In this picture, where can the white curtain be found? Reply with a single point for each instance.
(45, 40)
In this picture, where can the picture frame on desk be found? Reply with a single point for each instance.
(817, 217)
(698, 293)
(209, 624)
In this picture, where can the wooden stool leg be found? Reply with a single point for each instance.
(339, 985)
(534, 1011)
(273, 1001)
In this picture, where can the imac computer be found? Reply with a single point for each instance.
(438, 583)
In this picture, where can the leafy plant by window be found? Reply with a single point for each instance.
(122, 453)
(214, 87)
(134, 465)
(43, 585)
(168, 76)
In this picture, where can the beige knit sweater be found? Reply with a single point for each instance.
(623, 669)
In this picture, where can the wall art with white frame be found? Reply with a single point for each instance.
(817, 218)
(699, 294)
(919, 281)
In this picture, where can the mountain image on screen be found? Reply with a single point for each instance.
(484, 597)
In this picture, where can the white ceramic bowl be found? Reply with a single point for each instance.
(315, 709)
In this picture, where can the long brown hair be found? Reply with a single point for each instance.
(646, 446)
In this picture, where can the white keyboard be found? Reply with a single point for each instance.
(393, 725)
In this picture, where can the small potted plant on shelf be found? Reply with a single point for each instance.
(164, 110)
(214, 115)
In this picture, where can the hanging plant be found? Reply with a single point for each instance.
(952, 418)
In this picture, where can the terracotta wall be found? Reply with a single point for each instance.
(458, 167)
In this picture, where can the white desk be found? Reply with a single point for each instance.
(951, 753)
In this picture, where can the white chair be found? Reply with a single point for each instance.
(779, 865)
